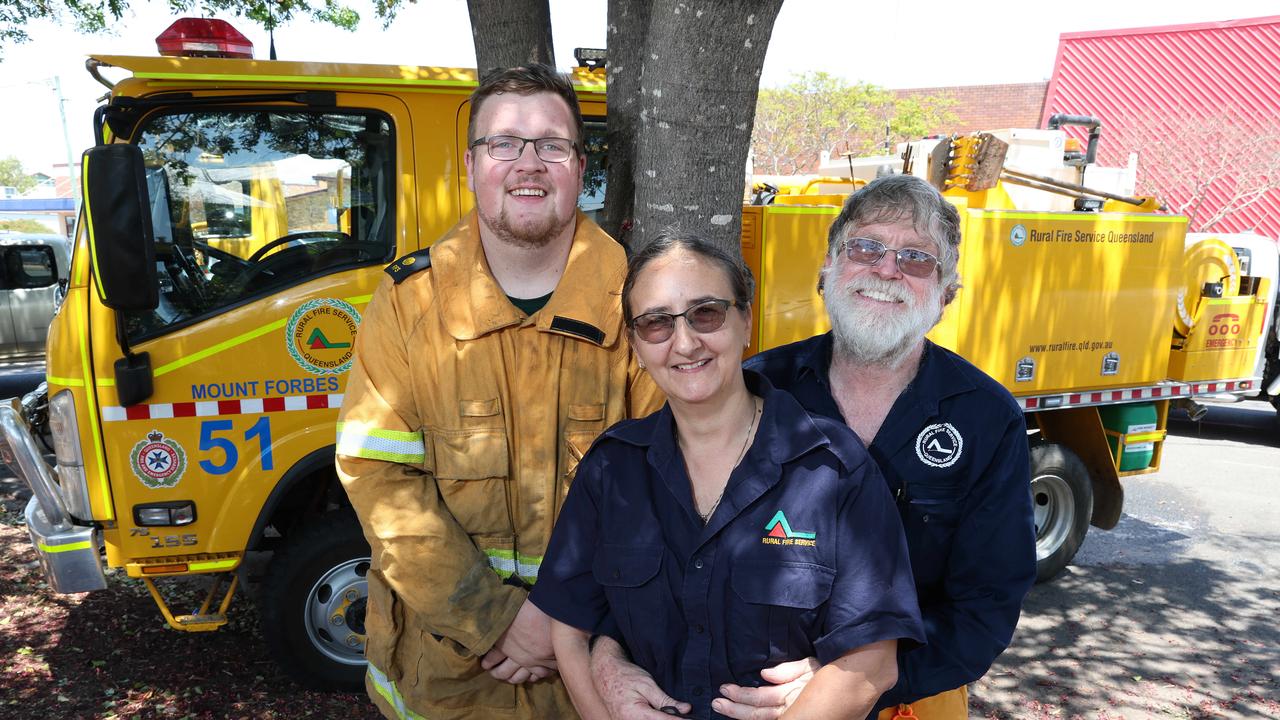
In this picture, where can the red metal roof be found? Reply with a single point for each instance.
(1168, 84)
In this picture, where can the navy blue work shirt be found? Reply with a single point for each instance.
(953, 450)
(804, 556)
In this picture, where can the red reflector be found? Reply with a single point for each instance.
(203, 37)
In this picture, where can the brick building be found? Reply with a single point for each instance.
(988, 107)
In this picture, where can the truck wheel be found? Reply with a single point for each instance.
(1062, 502)
(313, 603)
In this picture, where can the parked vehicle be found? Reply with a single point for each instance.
(33, 276)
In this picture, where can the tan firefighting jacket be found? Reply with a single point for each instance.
(460, 432)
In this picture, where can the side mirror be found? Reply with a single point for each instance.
(118, 211)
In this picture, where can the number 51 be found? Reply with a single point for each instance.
(231, 455)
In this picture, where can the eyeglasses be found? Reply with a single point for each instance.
(510, 147)
(865, 251)
(704, 317)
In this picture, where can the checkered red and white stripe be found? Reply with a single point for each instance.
(213, 408)
(1150, 392)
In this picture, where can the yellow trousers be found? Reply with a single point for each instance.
(949, 705)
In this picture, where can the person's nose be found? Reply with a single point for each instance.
(684, 339)
(887, 266)
(529, 160)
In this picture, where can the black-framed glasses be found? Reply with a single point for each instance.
(913, 262)
(704, 317)
(510, 147)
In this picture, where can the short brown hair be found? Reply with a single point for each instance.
(526, 80)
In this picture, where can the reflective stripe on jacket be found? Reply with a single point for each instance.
(460, 432)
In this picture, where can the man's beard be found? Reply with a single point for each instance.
(533, 234)
(880, 337)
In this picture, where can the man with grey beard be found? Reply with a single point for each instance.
(950, 441)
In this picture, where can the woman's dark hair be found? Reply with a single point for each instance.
(741, 282)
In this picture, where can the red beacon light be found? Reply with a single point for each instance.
(203, 37)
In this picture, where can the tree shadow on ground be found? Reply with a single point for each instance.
(1155, 634)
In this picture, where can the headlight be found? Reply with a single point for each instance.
(66, 448)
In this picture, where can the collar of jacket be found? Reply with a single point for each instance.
(585, 305)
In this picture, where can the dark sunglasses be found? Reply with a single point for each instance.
(865, 251)
(704, 317)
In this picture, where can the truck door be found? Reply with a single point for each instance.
(271, 227)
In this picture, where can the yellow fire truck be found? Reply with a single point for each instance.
(239, 213)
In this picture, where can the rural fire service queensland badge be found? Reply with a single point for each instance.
(321, 335)
(158, 461)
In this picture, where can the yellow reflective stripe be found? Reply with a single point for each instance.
(804, 210)
(69, 382)
(1091, 217)
(507, 563)
(387, 689)
(84, 193)
(213, 565)
(502, 562)
(527, 567)
(1144, 437)
(91, 399)
(359, 299)
(219, 347)
(304, 79)
(402, 446)
(69, 547)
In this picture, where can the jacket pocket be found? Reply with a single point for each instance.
(448, 676)
(471, 471)
(779, 613)
(384, 623)
(583, 423)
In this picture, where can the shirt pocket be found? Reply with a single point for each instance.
(930, 525)
(472, 467)
(776, 614)
(638, 597)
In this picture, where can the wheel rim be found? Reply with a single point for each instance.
(335, 612)
(1054, 509)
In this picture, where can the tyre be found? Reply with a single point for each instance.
(1062, 502)
(313, 603)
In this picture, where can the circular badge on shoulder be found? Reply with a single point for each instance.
(939, 445)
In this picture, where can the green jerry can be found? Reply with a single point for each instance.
(1127, 419)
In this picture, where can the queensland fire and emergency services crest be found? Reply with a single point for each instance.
(321, 335)
(158, 461)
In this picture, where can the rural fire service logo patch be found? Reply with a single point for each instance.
(158, 461)
(321, 335)
(939, 445)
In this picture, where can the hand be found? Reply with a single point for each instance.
(770, 701)
(627, 690)
(523, 652)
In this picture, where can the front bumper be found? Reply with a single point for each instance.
(69, 553)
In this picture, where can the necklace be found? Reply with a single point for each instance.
(741, 454)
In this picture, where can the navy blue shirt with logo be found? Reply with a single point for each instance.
(804, 556)
(953, 450)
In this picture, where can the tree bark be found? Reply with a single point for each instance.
(507, 33)
(693, 115)
(626, 40)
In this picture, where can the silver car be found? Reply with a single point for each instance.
(33, 274)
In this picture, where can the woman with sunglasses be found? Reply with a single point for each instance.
(731, 530)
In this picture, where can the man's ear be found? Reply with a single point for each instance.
(469, 161)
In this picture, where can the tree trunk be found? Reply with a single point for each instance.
(507, 33)
(628, 28)
(692, 118)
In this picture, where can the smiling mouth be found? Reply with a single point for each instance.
(878, 296)
(529, 192)
(692, 365)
